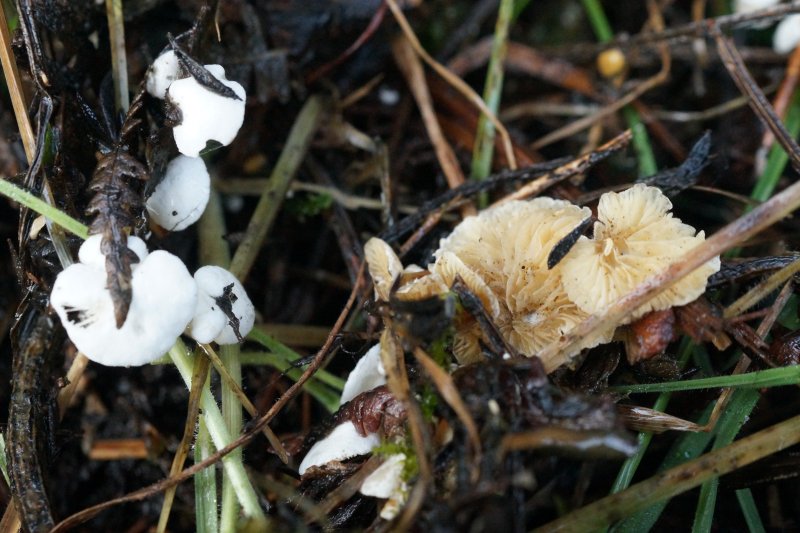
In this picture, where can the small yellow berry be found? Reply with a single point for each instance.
(611, 63)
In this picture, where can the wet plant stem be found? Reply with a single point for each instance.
(205, 483)
(119, 61)
(214, 251)
(220, 435)
(483, 149)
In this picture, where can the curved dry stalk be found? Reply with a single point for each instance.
(447, 388)
(455, 81)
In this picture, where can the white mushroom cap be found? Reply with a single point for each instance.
(635, 237)
(210, 323)
(206, 115)
(384, 267)
(787, 34)
(367, 374)
(162, 303)
(181, 197)
(385, 481)
(90, 254)
(343, 442)
(747, 6)
(162, 73)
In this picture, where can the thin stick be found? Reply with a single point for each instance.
(245, 401)
(119, 60)
(199, 380)
(285, 169)
(415, 77)
(15, 89)
(455, 81)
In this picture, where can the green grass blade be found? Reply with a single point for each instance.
(3, 467)
(777, 159)
(641, 140)
(772, 377)
(730, 423)
(38, 205)
(689, 446)
(205, 484)
(750, 511)
(269, 342)
(492, 91)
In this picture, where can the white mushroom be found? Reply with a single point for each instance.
(787, 34)
(342, 443)
(387, 482)
(162, 303)
(367, 374)
(180, 198)
(220, 297)
(162, 73)
(748, 6)
(90, 254)
(635, 237)
(205, 114)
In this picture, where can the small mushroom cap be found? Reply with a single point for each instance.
(210, 323)
(162, 73)
(635, 237)
(89, 253)
(384, 267)
(181, 197)
(787, 34)
(747, 6)
(343, 442)
(386, 481)
(205, 114)
(367, 374)
(162, 304)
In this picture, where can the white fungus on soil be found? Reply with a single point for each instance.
(162, 303)
(179, 200)
(367, 374)
(161, 74)
(210, 323)
(205, 114)
(342, 443)
(89, 253)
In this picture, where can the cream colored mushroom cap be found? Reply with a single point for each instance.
(635, 237)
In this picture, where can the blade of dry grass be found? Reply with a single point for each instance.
(455, 81)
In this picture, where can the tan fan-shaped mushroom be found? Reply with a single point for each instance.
(635, 237)
(508, 247)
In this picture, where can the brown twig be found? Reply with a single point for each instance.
(457, 82)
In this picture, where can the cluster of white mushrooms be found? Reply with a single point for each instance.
(166, 300)
(181, 197)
